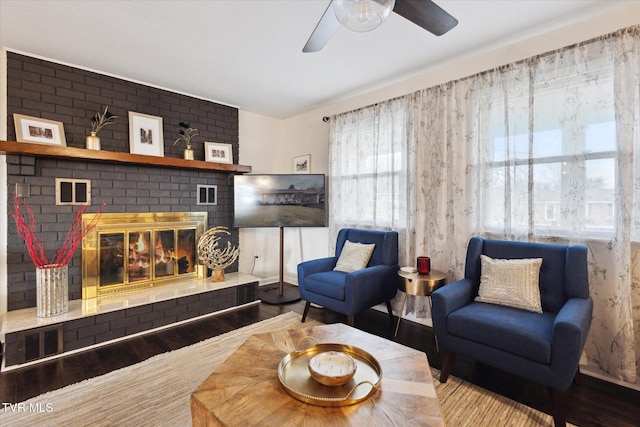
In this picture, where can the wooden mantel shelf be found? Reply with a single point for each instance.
(61, 152)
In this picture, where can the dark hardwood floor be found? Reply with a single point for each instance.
(591, 403)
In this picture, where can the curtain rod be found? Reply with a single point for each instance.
(633, 30)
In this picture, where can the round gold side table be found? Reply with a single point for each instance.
(419, 285)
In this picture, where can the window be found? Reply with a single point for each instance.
(368, 167)
(377, 176)
(552, 159)
(550, 212)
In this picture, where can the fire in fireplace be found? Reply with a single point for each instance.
(139, 250)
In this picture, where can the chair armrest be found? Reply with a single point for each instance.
(448, 299)
(451, 297)
(571, 325)
(370, 286)
(570, 330)
(308, 268)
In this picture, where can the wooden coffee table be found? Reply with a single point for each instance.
(245, 389)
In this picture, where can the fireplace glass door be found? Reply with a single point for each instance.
(141, 250)
(150, 255)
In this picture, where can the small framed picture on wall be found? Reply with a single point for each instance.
(145, 134)
(302, 164)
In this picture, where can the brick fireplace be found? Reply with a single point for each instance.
(71, 95)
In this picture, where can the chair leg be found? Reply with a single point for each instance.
(447, 365)
(306, 311)
(577, 379)
(557, 405)
(351, 321)
(390, 310)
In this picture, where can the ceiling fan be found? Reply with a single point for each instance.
(366, 15)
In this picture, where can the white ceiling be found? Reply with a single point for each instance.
(248, 53)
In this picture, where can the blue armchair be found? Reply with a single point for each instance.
(351, 293)
(541, 347)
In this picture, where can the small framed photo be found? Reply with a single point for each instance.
(145, 134)
(218, 152)
(302, 164)
(39, 131)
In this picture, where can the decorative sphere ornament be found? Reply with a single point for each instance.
(212, 256)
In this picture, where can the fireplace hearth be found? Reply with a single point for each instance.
(130, 251)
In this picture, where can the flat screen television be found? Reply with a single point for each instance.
(279, 201)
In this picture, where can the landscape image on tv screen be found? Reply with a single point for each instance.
(279, 201)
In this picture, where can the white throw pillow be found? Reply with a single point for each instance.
(354, 256)
(511, 282)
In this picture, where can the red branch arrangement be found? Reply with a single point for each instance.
(27, 229)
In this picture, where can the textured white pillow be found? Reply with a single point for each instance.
(511, 282)
(354, 256)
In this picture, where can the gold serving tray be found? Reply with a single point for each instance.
(293, 373)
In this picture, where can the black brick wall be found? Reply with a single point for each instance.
(72, 96)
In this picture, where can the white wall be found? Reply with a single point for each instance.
(262, 147)
(308, 134)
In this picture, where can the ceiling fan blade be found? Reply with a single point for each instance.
(327, 25)
(426, 14)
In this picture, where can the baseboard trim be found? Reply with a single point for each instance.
(596, 373)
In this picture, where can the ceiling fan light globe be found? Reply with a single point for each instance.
(362, 15)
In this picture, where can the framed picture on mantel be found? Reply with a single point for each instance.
(218, 152)
(39, 131)
(145, 134)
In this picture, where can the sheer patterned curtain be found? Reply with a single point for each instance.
(542, 150)
(369, 170)
(444, 216)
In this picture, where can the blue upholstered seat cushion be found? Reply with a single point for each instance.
(520, 332)
(328, 283)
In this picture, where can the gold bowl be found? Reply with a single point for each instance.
(332, 368)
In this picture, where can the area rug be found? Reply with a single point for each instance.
(156, 392)
(467, 405)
